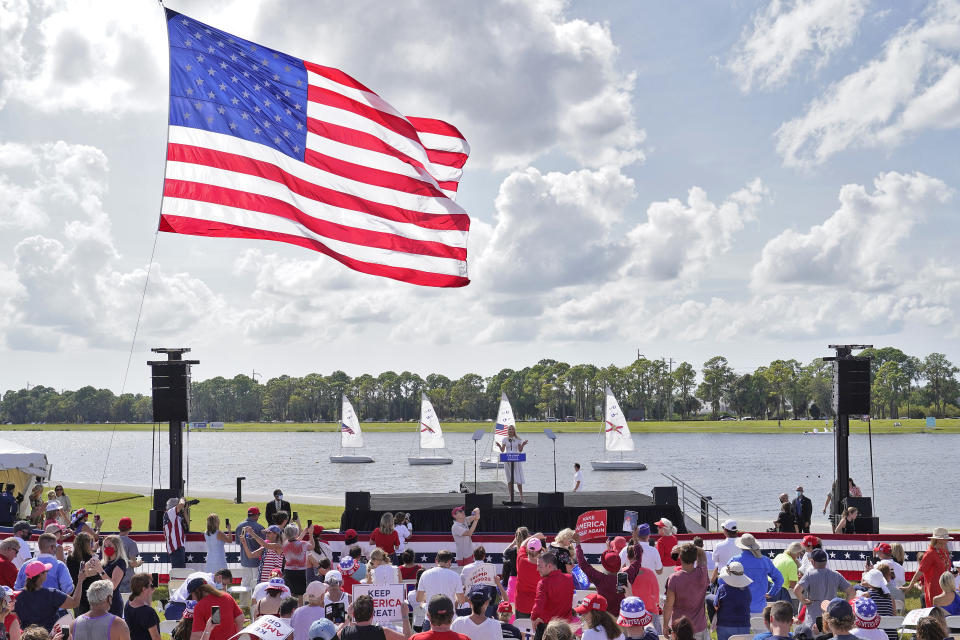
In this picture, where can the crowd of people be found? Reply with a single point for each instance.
(639, 590)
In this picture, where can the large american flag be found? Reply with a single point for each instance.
(500, 430)
(264, 145)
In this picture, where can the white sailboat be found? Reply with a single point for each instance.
(504, 421)
(350, 435)
(430, 435)
(617, 437)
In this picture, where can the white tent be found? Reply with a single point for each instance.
(22, 466)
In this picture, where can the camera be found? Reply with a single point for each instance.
(190, 503)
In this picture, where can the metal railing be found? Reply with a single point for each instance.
(702, 505)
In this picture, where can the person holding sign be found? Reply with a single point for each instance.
(514, 470)
(364, 627)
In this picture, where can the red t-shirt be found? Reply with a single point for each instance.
(438, 635)
(409, 573)
(389, 542)
(348, 583)
(8, 572)
(229, 610)
(527, 579)
(665, 545)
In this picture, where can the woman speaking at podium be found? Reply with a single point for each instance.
(514, 470)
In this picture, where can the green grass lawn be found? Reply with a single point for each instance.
(113, 506)
(698, 426)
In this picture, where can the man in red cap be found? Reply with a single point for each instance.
(554, 597)
(133, 553)
(251, 566)
(884, 552)
(463, 527)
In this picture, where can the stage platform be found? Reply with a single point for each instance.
(431, 511)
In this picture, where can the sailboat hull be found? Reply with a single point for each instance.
(430, 460)
(617, 465)
(491, 463)
(351, 459)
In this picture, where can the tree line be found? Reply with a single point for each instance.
(902, 386)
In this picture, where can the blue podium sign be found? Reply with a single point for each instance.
(513, 457)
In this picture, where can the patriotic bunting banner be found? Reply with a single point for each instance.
(263, 145)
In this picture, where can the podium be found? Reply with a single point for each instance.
(512, 459)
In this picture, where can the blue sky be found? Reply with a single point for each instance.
(754, 179)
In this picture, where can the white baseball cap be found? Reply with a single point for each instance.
(729, 525)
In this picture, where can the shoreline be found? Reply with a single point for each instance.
(879, 427)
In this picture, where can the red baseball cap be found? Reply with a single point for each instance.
(125, 524)
(350, 533)
(810, 541)
(253, 510)
(593, 602)
(454, 511)
(317, 529)
(504, 607)
(883, 547)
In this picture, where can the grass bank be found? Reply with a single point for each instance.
(112, 506)
(698, 426)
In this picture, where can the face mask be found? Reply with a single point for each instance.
(279, 496)
(799, 493)
(218, 585)
(109, 551)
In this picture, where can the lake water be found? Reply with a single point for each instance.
(743, 472)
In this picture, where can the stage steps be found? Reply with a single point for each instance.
(699, 510)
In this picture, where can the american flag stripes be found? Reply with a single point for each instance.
(345, 429)
(500, 430)
(173, 531)
(264, 145)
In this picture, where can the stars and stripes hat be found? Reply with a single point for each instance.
(348, 566)
(865, 611)
(190, 606)
(633, 613)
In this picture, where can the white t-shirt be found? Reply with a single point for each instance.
(478, 572)
(578, 477)
(724, 551)
(597, 633)
(404, 531)
(489, 629)
(386, 574)
(899, 578)
(869, 634)
(181, 595)
(651, 557)
(344, 598)
(24, 554)
(440, 580)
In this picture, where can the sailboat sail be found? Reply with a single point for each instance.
(617, 435)
(431, 436)
(505, 420)
(350, 434)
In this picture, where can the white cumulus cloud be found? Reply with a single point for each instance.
(789, 33)
(858, 246)
(680, 239)
(912, 86)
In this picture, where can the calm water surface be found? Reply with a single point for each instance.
(743, 472)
